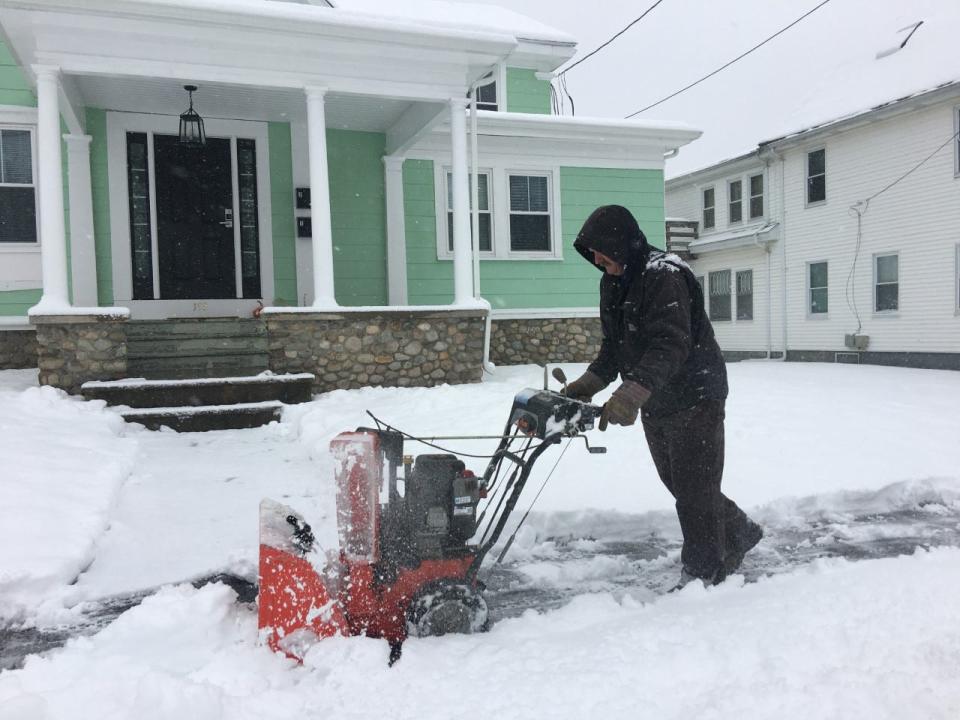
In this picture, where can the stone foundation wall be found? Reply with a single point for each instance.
(401, 348)
(18, 349)
(72, 349)
(539, 341)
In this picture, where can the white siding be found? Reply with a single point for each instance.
(919, 218)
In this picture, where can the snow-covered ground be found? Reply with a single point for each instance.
(91, 507)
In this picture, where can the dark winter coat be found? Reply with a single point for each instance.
(655, 330)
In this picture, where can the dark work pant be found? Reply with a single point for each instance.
(687, 448)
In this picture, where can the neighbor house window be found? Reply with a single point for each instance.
(719, 282)
(756, 196)
(529, 213)
(816, 176)
(484, 213)
(887, 284)
(956, 273)
(709, 209)
(745, 295)
(817, 274)
(735, 195)
(18, 194)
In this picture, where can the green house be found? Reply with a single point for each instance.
(348, 157)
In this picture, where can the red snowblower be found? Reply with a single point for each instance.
(411, 542)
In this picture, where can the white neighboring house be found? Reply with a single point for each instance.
(847, 228)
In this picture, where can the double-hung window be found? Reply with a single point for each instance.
(745, 295)
(487, 96)
(18, 194)
(719, 283)
(709, 208)
(816, 176)
(756, 196)
(886, 272)
(817, 285)
(735, 204)
(529, 213)
(484, 212)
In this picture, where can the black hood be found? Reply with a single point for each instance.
(613, 231)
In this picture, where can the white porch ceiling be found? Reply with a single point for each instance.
(165, 96)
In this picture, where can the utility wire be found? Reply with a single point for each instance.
(724, 67)
(594, 52)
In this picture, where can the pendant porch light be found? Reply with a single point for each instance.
(192, 133)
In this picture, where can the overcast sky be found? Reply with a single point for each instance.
(824, 67)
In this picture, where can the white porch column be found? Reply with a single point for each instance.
(462, 271)
(396, 232)
(322, 235)
(53, 243)
(83, 260)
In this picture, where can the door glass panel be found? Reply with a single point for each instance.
(138, 197)
(249, 225)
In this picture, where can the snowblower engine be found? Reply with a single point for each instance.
(412, 533)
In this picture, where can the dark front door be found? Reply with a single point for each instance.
(195, 236)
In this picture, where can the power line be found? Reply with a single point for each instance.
(724, 67)
(594, 52)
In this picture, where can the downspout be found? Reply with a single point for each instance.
(783, 249)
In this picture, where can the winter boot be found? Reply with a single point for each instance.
(687, 576)
(739, 545)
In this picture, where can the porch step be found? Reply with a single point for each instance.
(136, 393)
(198, 405)
(194, 348)
(206, 417)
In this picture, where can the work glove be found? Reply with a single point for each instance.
(585, 387)
(624, 405)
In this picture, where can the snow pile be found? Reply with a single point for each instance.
(64, 462)
(874, 639)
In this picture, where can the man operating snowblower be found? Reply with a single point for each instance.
(658, 339)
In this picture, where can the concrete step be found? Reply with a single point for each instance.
(206, 417)
(139, 393)
(198, 366)
(187, 328)
(195, 346)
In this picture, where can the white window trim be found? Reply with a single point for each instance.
(806, 177)
(886, 313)
(956, 141)
(500, 78)
(443, 239)
(730, 182)
(749, 195)
(956, 278)
(500, 168)
(734, 296)
(15, 121)
(730, 294)
(703, 208)
(812, 315)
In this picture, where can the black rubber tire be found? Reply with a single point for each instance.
(447, 607)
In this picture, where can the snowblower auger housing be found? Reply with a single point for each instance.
(407, 561)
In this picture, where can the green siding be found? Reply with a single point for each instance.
(14, 89)
(526, 94)
(17, 302)
(100, 187)
(282, 222)
(358, 216)
(570, 282)
(429, 281)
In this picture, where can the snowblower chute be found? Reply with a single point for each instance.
(408, 560)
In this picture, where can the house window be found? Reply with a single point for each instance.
(18, 197)
(745, 295)
(735, 194)
(886, 295)
(709, 209)
(719, 282)
(487, 96)
(529, 213)
(756, 196)
(817, 277)
(484, 212)
(816, 176)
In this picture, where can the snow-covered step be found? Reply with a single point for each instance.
(206, 417)
(141, 393)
